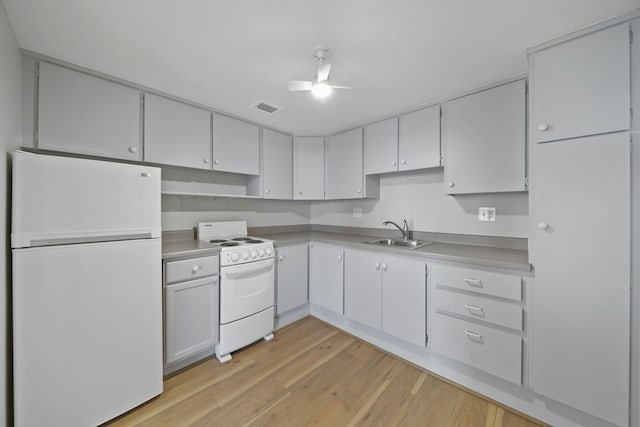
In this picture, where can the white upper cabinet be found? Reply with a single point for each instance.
(277, 165)
(581, 87)
(484, 141)
(381, 147)
(236, 146)
(408, 142)
(176, 133)
(308, 168)
(419, 139)
(344, 178)
(79, 113)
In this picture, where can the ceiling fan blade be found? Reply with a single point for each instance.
(340, 87)
(295, 85)
(323, 72)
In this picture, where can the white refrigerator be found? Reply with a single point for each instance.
(87, 289)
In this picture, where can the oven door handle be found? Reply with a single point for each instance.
(244, 274)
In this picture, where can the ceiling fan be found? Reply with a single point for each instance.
(319, 86)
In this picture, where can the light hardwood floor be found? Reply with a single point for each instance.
(314, 374)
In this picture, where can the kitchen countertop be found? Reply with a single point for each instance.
(181, 244)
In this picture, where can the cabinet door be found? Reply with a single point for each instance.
(308, 168)
(404, 299)
(236, 146)
(419, 139)
(362, 288)
(326, 279)
(277, 165)
(484, 141)
(581, 87)
(344, 165)
(191, 316)
(78, 113)
(580, 347)
(176, 133)
(292, 277)
(381, 147)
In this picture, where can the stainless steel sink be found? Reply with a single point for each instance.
(411, 244)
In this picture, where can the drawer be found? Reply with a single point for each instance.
(496, 352)
(501, 313)
(188, 269)
(484, 282)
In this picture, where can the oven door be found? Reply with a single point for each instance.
(246, 289)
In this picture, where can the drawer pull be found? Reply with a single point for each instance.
(474, 335)
(473, 309)
(195, 269)
(473, 282)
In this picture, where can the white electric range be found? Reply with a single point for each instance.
(247, 291)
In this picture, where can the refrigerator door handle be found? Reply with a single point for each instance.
(46, 239)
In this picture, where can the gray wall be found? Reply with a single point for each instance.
(9, 138)
(184, 212)
(416, 196)
(419, 197)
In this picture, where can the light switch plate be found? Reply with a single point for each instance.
(357, 212)
(487, 214)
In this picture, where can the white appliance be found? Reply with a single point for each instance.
(87, 289)
(247, 291)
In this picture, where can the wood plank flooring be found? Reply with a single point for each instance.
(314, 374)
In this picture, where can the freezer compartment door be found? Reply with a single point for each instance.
(62, 200)
(87, 331)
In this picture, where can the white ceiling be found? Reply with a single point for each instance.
(227, 54)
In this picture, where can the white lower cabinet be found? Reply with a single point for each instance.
(580, 250)
(326, 277)
(478, 319)
(404, 299)
(191, 311)
(485, 348)
(387, 293)
(363, 288)
(292, 277)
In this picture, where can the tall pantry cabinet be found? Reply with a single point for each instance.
(581, 222)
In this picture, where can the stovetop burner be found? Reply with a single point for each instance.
(230, 244)
(241, 239)
(253, 241)
(217, 241)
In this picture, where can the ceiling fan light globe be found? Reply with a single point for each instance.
(321, 90)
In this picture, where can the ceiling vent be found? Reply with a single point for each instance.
(266, 107)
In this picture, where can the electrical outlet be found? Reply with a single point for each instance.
(487, 214)
(357, 212)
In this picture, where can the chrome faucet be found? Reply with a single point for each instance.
(404, 229)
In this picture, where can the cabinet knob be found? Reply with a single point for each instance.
(404, 162)
(281, 258)
(216, 162)
(384, 267)
(359, 191)
(543, 127)
(205, 161)
(377, 266)
(195, 269)
(543, 225)
(133, 149)
(339, 258)
(451, 184)
(394, 163)
(267, 191)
